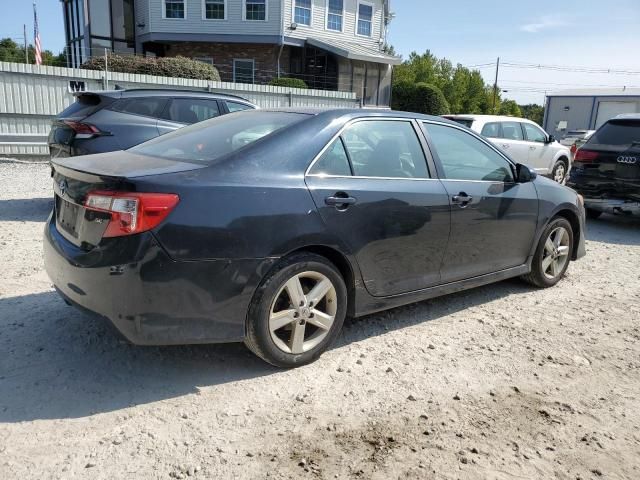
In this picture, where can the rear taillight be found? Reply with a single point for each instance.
(574, 148)
(586, 156)
(131, 212)
(85, 130)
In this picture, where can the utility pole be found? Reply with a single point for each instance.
(495, 86)
(26, 48)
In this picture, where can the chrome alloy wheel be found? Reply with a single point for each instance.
(560, 173)
(302, 312)
(556, 253)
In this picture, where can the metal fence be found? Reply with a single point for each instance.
(31, 95)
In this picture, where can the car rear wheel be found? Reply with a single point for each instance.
(297, 312)
(559, 172)
(553, 254)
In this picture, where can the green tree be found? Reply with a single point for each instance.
(533, 112)
(10, 51)
(510, 107)
(464, 90)
(420, 98)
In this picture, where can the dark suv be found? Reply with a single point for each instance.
(606, 169)
(111, 120)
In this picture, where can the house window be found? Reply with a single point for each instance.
(365, 18)
(302, 14)
(255, 9)
(243, 71)
(334, 14)
(214, 9)
(207, 60)
(174, 9)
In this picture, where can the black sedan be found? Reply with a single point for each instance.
(269, 227)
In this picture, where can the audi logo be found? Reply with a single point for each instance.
(627, 160)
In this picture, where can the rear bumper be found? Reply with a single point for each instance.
(150, 298)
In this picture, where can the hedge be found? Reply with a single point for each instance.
(179, 67)
(419, 98)
(288, 82)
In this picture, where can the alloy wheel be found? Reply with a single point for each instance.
(556, 253)
(560, 173)
(303, 312)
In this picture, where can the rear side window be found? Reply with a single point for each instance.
(333, 162)
(621, 133)
(84, 106)
(512, 131)
(385, 149)
(237, 107)
(192, 110)
(492, 130)
(207, 141)
(148, 107)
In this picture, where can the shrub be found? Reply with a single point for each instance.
(180, 67)
(288, 82)
(419, 98)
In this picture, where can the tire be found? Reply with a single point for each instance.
(272, 305)
(559, 172)
(593, 214)
(544, 272)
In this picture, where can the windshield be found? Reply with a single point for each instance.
(210, 140)
(622, 133)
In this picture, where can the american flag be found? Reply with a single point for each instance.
(36, 36)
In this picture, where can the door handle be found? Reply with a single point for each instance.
(505, 145)
(532, 147)
(340, 200)
(462, 199)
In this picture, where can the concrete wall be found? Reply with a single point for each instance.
(30, 96)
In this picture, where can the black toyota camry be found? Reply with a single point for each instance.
(269, 227)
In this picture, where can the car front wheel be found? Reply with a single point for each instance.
(297, 312)
(553, 254)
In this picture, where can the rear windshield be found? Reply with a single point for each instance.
(84, 106)
(623, 133)
(207, 141)
(467, 122)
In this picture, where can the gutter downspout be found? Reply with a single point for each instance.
(282, 2)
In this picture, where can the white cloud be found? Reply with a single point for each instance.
(544, 23)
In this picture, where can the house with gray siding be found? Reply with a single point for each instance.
(330, 44)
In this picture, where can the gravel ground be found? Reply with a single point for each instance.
(498, 382)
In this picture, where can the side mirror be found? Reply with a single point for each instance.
(551, 139)
(524, 174)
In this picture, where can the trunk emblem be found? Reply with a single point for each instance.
(627, 160)
(63, 186)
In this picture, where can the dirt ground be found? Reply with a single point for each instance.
(500, 382)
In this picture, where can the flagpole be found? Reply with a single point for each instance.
(26, 46)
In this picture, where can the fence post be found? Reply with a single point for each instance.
(106, 71)
(290, 98)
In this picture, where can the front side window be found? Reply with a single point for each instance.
(335, 12)
(243, 71)
(465, 157)
(512, 131)
(208, 141)
(174, 9)
(302, 12)
(192, 110)
(255, 10)
(365, 19)
(214, 9)
(534, 134)
(388, 148)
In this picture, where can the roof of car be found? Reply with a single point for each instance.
(163, 92)
(489, 118)
(627, 116)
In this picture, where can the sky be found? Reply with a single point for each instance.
(570, 34)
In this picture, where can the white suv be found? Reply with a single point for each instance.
(523, 140)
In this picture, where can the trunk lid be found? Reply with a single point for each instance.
(75, 177)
